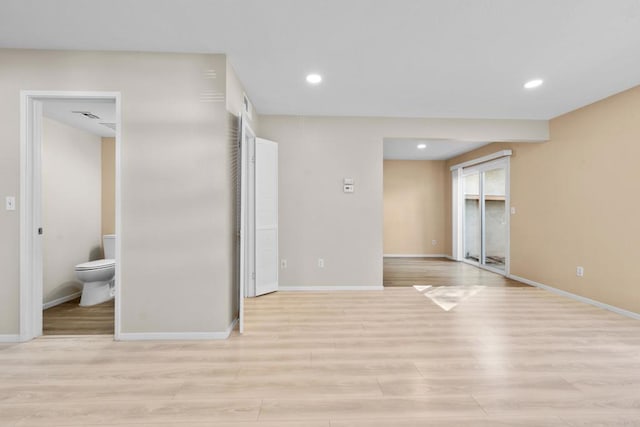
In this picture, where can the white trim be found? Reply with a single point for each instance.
(575, 297)
(415, 256)
(177, 336)
(496, 155)
(10, 338)
(117, 327)
(457, 242)
(61, 300)
(328, 288)
(30, 242)
(451, 258)
(507, 202)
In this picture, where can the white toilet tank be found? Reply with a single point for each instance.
(109, 243)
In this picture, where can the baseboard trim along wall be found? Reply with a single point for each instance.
(61, 300)
(415, 256)
(575, 297)
(10, 338)
(328, 288)
(177, 336)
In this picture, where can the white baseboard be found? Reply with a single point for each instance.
(415, 256)
(449, 257)
(328, 288)
(177, 336)
(10, 338)
(575, 297)
(61, 300)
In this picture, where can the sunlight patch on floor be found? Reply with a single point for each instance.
(448, 297)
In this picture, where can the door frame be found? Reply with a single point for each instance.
(481, 164)
(31, 284)
(247, 194)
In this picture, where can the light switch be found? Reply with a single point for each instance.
(348, 181)
(348, 188)
(11, 203)
(513, 210)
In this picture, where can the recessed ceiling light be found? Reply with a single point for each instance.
(314, 79)
(531, 84)
(422, 146)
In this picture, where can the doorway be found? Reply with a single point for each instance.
(64, 136)
(258, 216)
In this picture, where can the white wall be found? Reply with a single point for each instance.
(71, 205)
(176, 181)
(317, 220)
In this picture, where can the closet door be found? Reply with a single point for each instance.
(266, 216)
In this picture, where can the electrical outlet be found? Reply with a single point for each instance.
(434, 242)
(321, 262)
(579, 271)
(10, 203)
(283, 264)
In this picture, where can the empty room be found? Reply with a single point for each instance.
(279, 213)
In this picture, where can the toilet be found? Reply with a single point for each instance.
(98, 276)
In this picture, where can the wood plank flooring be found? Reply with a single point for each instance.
(439, 272)
(506, 356)
(71, 319)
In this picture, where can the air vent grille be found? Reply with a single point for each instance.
(87, 114)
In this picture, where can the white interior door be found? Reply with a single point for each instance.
(266, 216)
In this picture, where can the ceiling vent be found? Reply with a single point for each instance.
(87, 114)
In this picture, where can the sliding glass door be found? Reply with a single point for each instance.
(472, 217)
(485, 214)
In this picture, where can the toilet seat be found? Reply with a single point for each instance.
(100, 264)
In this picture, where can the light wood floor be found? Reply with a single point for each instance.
(439, 272)
(505, 356)
(71, 319)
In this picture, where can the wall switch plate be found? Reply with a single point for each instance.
(10, 203)
(579, 271)
(513, 210)
(348, 188)
(434, 242)
(283, 264)
(321, 262)
(348, 181)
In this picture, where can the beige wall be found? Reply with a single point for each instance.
(576, 204)
(317, 220)
(70, 205)
(176, 180)
(414, 207)
(108, 167)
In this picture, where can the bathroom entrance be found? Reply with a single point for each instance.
(69, 226)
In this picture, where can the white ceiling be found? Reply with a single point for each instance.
(437, 149)
(62, 110)
(400, 58)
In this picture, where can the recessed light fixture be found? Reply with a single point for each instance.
(314, 79)
(532, 84)
(422, 146)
